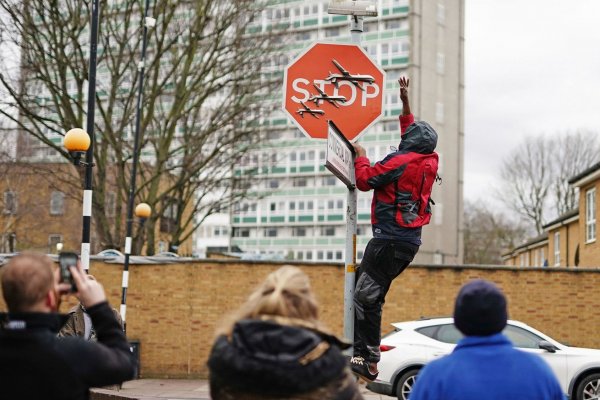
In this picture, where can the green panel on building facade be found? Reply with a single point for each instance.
(263, 219)
(293, 169)
(398, 10)
(236, 220)
(338, 241)
(292, 219)
(278, 170)
(278, 219)
(305, 218)
(280, 121)
(323, 241)
(311, 22)
(249, 220)
(364, 216)
(339, 18)
(307, 168)
(338, 217)
(386, 11)
(321, 218)
(400, 60)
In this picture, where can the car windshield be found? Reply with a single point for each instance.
(448, 333)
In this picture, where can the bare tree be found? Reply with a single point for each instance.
(488, 234)
(535, 176)
(201, 103)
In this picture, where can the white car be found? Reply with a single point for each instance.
(414, 343)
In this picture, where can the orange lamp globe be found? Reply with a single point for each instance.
(77, 140)
(142, 210)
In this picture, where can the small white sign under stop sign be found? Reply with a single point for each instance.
(340, 156)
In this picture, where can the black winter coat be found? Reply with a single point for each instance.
(264, 359)
(35, 364)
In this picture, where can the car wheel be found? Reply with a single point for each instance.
(405, 384)
(589, 388)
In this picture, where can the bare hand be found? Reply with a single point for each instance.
(403, 88)
(360, 151)
(89, 291)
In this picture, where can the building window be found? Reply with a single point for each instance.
(327, 231)
(439, 112)
(557, 249)
(299, 232)
(241, 232)
(53, 240)
(8, 242)
(441, 63)
(168, 219)
(57, 203)
(10, 202)
(300, 182)
(590, 215)
(271, 232)
(110, 204)
(441, 14)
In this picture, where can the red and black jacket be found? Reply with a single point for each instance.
(402, 183)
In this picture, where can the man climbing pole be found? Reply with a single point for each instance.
(401, 205)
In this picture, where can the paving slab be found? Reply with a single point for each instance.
(178, 389)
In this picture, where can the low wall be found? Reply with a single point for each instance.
(173, 309)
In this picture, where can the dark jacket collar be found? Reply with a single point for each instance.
(497, 339)
(32, 321)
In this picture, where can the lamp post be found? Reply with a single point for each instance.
(76, 152)
(89, 155)
(148, 23)
(78, 143)
(142, 211)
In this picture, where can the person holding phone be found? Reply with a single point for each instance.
(34, 362)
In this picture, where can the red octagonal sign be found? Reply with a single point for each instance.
(337, 82)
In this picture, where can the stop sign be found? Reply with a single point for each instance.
(337, 82)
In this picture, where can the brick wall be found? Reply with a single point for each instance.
(173, 309)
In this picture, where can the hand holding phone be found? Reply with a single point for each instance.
(65, 261)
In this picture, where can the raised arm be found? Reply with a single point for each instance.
(406, 118)
(404, 95)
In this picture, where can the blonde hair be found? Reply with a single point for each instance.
(285, 292)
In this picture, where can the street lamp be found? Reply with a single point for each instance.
(142, 211)
(149, 22)
(78, 143)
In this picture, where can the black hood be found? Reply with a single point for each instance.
(265, 357)
(419, 137)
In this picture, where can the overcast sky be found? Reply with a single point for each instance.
(531, 67)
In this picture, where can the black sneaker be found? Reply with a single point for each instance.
(360, 368)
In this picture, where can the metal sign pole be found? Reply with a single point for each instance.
(356, 28)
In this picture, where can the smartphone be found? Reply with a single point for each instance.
(66, 260)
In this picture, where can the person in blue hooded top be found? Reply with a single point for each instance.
(485, 364)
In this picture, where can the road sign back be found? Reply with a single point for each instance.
(337, 82)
